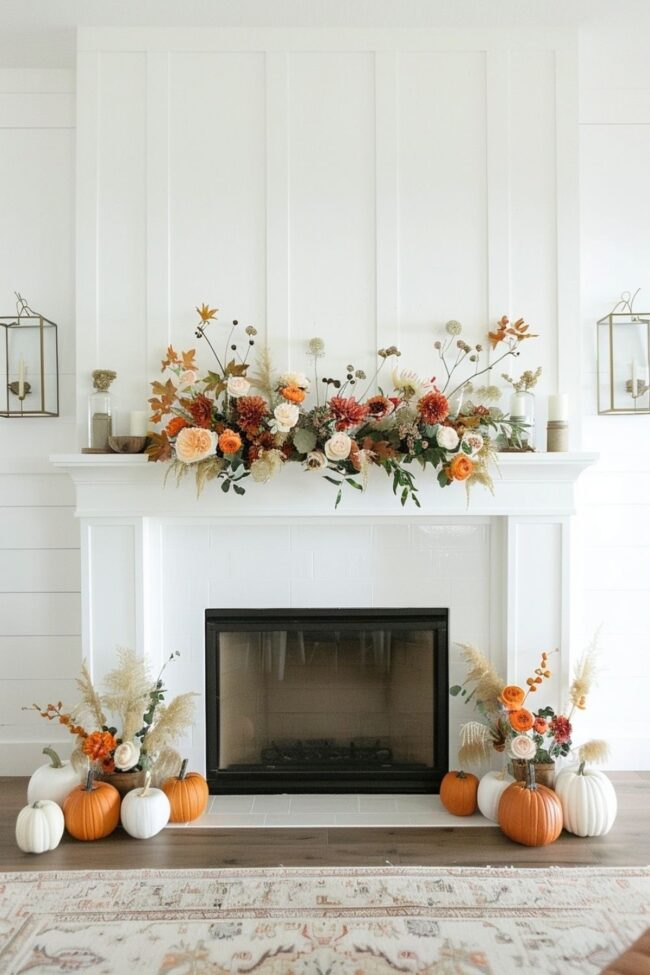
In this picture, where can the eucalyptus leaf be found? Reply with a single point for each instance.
(304, 440)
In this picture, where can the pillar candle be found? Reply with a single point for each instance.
(558, 408)
(138, 423)
(518, 405)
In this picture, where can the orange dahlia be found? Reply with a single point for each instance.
(175, 425)
(99, 745)
(521, 719)
(379, 407)
(347, 411)
(229, 442)
(434, 407)
(460, 468)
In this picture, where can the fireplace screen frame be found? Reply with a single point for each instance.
(283, 779)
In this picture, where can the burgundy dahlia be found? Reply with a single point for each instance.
(201, 409)
(560, 729)
(347, 411)
(251, 410)
(433, 407)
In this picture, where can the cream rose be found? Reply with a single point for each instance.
(447, 438)
(338, 447)
(523, 747)
(286, 416)
(238, 386)
(187, 378)
(194, 444)
(126, 755)
(474, 441)
(316, 460)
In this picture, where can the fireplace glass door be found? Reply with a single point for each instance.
(326, 700)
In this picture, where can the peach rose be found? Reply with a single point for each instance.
(513, 696)
(229, 442)
(194, 444)
(461, 467)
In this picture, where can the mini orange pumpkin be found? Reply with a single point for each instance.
(458, 791)
(92, 811)
(188, 795)
(529, 813)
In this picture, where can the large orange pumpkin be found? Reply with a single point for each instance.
(188, 795)
(92, 811)
(529, 813)
(458, 791)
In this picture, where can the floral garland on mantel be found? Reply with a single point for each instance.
(242, 420)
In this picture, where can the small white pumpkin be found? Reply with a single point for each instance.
(490, 789)
(588, 800)
(39, 826)
(54, 781)
(145, 811)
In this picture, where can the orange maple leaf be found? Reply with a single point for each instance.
(159, 447)
(171, 360)
(189, 359)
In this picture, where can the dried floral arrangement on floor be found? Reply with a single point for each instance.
(239, 421)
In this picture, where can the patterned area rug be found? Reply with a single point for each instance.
(357, 921)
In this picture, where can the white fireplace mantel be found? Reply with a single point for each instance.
(154, 558)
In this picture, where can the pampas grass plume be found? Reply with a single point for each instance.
(593, 752)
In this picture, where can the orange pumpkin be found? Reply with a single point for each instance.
(529, 813)
(188, 795)
(458, 791)
(92, 811)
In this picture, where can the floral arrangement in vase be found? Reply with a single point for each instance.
(127, 728)
(244, 419)
(510, 723)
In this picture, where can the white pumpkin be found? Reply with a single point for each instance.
(490, 789)
(144, 812)
(54, 781)
(39, 827)
(588, 800)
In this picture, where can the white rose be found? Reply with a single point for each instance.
(523, 747)
(316, 460)
(126, 755)
(194, 444)
(286, 416)
(447, 438)
(238, 386)
(338, 447)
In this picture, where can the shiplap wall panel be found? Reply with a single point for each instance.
(38, 527)
(332, 199)
(39, 613)
(17, 490)
(55, 657)
(442, 197)
(217, 180)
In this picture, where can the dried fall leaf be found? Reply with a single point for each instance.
(206, 313)
(189, 359)
(236, 369)
(171, 359)
(159, 448)
(382, 449)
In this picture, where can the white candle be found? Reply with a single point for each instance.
(138, 423)
(518, 405)
(558, 408)
(21, 378)
(635, 387)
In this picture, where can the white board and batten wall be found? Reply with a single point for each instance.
(364, 186)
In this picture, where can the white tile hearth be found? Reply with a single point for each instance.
(298, 811)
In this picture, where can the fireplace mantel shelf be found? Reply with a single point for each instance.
(112, 485)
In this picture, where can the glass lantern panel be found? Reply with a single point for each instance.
(623, 372)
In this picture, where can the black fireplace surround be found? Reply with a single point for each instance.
(326, 700)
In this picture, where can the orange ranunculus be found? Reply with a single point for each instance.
(175, 425)
(229, 442)
(294, 394)
(99, 745)
(521, 720)
(540, 725)
(461, 467)
(513, 696)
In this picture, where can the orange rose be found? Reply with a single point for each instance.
(229, 442)
(99, 745)
(460, 468)
(175, 425)
(513, 696)
(521, 720)
(294, 394)
(540, 725)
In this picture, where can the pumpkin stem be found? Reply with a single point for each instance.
(89, 780)
(183, 771)
(147, 784)
(530, 777)
(581, 768)
(53, 757)
(461, 775)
